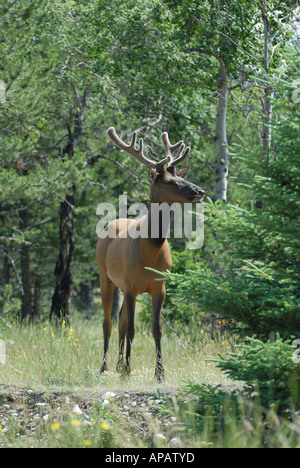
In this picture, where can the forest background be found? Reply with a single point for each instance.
(221, 75)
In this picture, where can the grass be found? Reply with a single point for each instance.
(44, 359)
(67, 358)
(60, 399)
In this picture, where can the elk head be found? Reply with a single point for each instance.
(167, 182)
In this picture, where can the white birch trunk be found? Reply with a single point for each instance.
(221, 166)
(268, 93)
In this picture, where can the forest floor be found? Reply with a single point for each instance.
(138, 411)
(52, 374)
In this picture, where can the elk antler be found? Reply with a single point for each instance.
(137, 154)
(171, 149)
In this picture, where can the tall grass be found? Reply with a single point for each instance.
(45, 358)
(227, 419)
(68, 358)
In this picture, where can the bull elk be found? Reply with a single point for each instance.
(123, 260)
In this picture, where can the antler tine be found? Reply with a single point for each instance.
(182, 156)
(171, 149)
(130, 149)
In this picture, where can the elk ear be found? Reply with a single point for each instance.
(183, 172)
(152, 174)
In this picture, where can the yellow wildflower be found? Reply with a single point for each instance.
(70, 333)
(55, 426)
(104, 426)
(87, 443)
(75, 423)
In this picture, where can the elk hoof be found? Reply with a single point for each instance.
(104, 368)
(120, 367)
(160, 374)
(127, 370)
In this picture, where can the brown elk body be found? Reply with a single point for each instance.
(123, 260)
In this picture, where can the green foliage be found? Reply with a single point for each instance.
(9, 306)
(218, 417)
(214, 408)
(269, 368)
(136, 66)
(257, 284)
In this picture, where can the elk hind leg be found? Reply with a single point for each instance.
(107, 289)
(157, 303)
(122, 334)
(129, 309)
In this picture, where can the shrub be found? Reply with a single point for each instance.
(269, 369)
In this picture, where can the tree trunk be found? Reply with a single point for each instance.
(60, 308)
(267, 129)
(221, 166)
(26, 310)
(268, 93)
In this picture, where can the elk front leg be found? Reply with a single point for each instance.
(122, 334)
(157, 304)
(107, 289)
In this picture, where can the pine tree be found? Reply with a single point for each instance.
(259, 288)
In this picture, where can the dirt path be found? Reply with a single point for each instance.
(137, 411)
